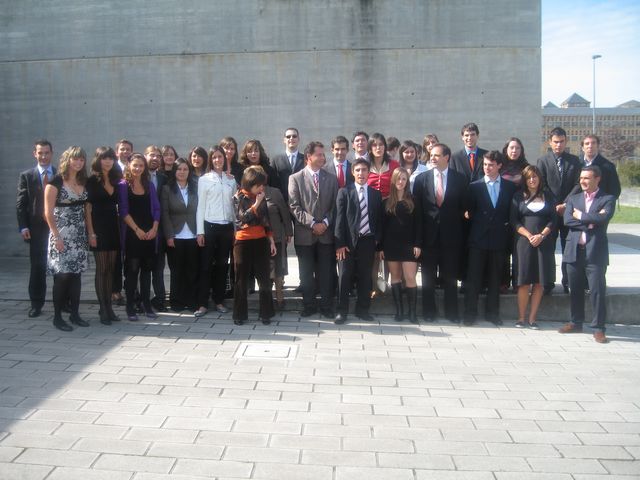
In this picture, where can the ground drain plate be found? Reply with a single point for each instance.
(266, 350)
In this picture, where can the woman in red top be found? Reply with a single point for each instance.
(382, 166)
(254, 245)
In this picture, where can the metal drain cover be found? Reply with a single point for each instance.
(266, 350)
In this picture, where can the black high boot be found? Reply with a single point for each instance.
(396, 292)
(412, 299)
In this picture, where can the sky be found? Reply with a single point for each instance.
(573, 31)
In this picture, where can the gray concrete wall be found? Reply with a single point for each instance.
(186, 73)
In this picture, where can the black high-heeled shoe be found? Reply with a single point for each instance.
(77, 320)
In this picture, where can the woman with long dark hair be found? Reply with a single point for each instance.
(139, 210)
(534, 218)
(179, 201)
(232, 166)
(409, 161)
(168, 161)
(252, 155)
(198, 160)
(102, 226)
(68, 251)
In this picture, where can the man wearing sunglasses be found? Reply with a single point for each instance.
(289, 162)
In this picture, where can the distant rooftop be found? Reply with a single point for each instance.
(630, 104)
(550, 105)
(575, 100)
(577, 105)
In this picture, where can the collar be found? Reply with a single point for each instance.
(310, 170)
(47, 169)
(588, 161)
(292, 153)
(469, 152)
(488, 180)
(444, 172)
(358, 187)
(591, 196)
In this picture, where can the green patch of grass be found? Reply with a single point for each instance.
(626, 214)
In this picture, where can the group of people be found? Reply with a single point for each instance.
(486, 218)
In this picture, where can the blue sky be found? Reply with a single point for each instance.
(572, 31)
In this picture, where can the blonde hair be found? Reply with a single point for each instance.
(393, 199)
(65, 162)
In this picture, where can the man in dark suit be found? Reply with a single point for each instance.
(312, 201)
(340, 166)
(124, 150)
(488, 205)
(586, 253)
(153, 156)
(290, 162)
(31, 222)
(560, 171)
(440, 201)
(468, 160)
(358, 233)
(360, 144)
(609, 181)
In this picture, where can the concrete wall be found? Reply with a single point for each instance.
(186, 73)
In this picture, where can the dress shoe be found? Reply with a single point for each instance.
(34, 312)
(520, 324)
(534, 326)
(428, 318)
(60, 324)
(570, 328)
(548, 291)
(76, 320)
(201, 312)
(104, 318)
(280, 305)
(158, 304)
(132, 317)
(307, 312)
(453, 319)
(327, 313)
(150, 314)
(112, 315)
(220, 308)
(265, 321)
(367, 317)
(238, 322)
(340, 319)
(496, 321)
(600, 337)
(565, 288)
(468, 322)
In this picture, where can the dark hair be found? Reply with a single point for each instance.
(593, 168)
(165, 149)
(250, 145)
(311, 147)
(43, 143)
(201, 152)
(380, 138)
(406, 145)
(145, 178)
(494, 156)
(291, 128)
(592, 136)
(252, 176)
(191, 184)
(225, 142)
(470, 127)
(212, 150)
(359, 161)
(522, 159)
(393, 143)
(358, 133)
(124, 140)
(445, 149)
(339, 139)
(96, 166)
(557, 132)
(527, 173)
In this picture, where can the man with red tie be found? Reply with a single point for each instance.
(469, 159)
(340, 167)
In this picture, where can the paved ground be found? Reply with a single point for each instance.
(186, 398)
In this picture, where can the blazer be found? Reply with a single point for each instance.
(309, 207)
(441, 226)
(175, 213)
(490, 227)
(331, 168)
(460, 163)
(30, 202)
(594, 223)
(123, 209)
(279, 216)
(347, 227)
(609, 181)
(282, 168)
(560, 187)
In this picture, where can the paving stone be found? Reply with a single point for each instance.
(280, 471)
(69, 473)
(328, 457)
(24, 472)
(622, 467)
(491, 463)
(364, 473)
(311, 442)
(31, 440)
(42, 456)
(134, 463)
(566, 465)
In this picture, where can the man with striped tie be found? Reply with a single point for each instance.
(358, 233)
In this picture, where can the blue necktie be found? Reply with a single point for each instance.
(494, 196)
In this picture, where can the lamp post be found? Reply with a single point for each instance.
(594, 58)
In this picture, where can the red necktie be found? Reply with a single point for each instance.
(472, 161)
(340, 176)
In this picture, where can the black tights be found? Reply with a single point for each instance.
(105, 266)
(135, 266)
(66, 288)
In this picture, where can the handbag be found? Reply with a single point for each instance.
(381, 282)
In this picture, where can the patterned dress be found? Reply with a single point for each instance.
(69, 217)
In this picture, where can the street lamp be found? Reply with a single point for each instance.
(594, 58)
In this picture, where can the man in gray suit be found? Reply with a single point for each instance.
(289, 162)
(312, 201)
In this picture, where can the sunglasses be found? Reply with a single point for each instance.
(291, 136)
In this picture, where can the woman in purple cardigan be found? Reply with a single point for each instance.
(139, 211)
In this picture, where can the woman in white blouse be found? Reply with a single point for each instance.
(214, 223)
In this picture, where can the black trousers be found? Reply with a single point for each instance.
(483, 264)
(360, 262)
(183, 271)
(446, 261)
(157, 274)
(317, 260)
(561, 232)
(38, 271)
(595, 275)
(142, 266)
(252, 256)
(214, 262)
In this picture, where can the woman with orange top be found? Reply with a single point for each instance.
(254, 245)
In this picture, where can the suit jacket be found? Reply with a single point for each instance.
(347, 227)
(331, 168)
(282, 168)
(441, 226)
(175, 213)
(490, 227)
(594, 223)
(309, 207)
(30, 202)
(609, 181)
(279, 216)
(460, 163)
(561, 187)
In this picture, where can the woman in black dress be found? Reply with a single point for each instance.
(102, 226)
(230, 147)
(533, 217)
(139, 210)
(400, 244)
